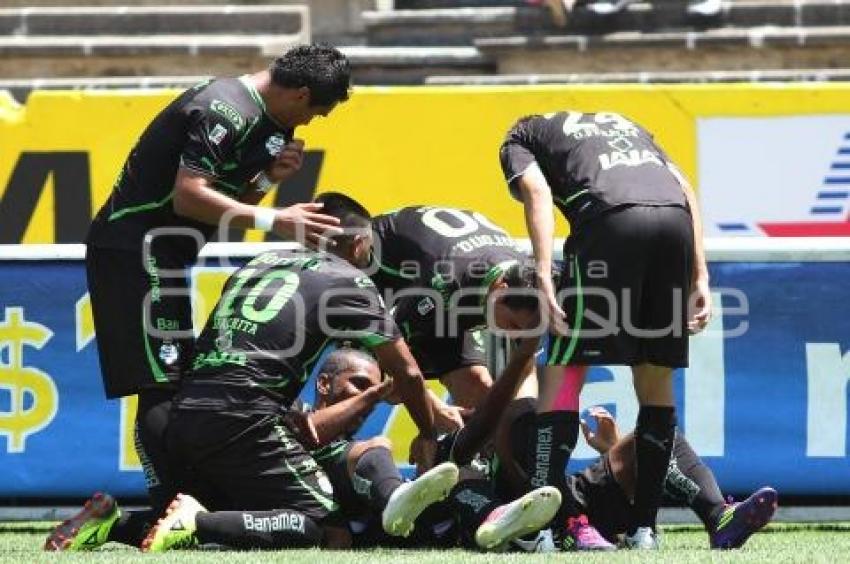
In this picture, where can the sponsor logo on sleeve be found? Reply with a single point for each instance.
(229, 112)
(218, 134)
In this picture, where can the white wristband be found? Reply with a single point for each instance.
(263, 183)
(264, 218)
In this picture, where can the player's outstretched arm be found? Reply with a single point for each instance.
(341, 418)
(486, 417)
(196, 199)
(540, 222)
(395, 359)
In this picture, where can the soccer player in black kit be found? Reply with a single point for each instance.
(633, 263)
(206, 159)
(227, 437)
(441, 266)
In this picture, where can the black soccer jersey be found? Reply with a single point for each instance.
(440, 248)
(276, 317)
(219, 129)
(592, 162)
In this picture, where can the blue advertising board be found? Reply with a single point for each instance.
(764, 401)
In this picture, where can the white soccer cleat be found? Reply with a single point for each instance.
(644, 538)
(544, 542)
(176, 529)
(531, 512)
(411, 498)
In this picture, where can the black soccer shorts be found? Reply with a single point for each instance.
(251, 462)
(625, 286)
(142, 318)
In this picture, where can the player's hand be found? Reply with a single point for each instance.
(448, 418)
(423, 452)
(699, 306)
(301, 424)
(287, 162)
(383, 390)
(555, 316)
(606, 434)
(305, 224)
(527, 346)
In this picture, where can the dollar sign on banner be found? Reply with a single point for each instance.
(23, 382)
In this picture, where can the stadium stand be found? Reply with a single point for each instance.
(657, 37)
(102, 41)
(419, 41)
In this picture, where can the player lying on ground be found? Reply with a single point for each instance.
(604, 492)
(443, 265)
(606, 489)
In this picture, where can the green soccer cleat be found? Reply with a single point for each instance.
(176, 530)
(88, 529)
(410, 499)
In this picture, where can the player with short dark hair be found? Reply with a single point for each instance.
(369, 487)
(207, 159)
(373, 497)
(633, 258)
(277, 317)
(444, 268)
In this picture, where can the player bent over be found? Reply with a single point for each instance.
(442, 267)
(633, 258)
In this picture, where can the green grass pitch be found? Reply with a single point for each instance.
(20, 543)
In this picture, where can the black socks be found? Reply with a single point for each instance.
(653, 445)
(376, 477)
(695, 484)
(472, 501)
(553, 438)
(131, 527)
(262, 530)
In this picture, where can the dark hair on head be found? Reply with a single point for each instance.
(521, 123)
(343, 359)
(351, 214)
(321, 68)
(521, 276)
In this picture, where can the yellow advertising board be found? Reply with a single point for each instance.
(388, 146)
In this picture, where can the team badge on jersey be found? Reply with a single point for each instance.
(274, 144)
(229, 112)
(425, 305)
(169, 353)
(218, 134)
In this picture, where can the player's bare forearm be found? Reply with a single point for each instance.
(486, 417)
(700, 271)
(700, 264)
(408, 384)
(343, 417)
(539, 218)
(195, 198)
